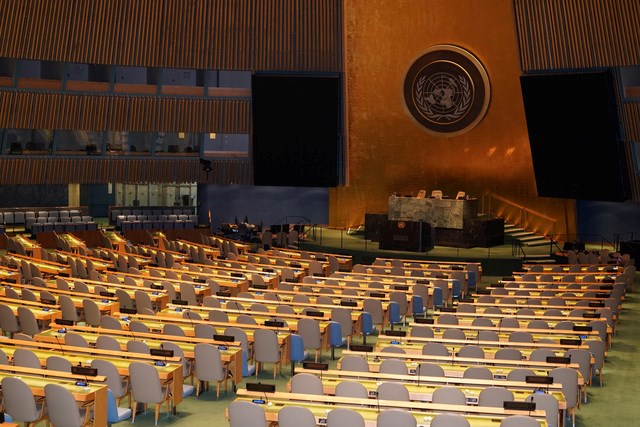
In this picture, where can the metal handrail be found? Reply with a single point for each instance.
(586, 238)
(364, 209)
(525, 212)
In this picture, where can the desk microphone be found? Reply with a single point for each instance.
(60, 345)
(378, 401)
(188, 314)
(79, 370)
(131, 331)
(165, 354)
(264, 393)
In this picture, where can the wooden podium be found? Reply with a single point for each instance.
(412, 236)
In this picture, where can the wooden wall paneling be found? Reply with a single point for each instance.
(556, 38)
(183, 26)
(45, 110)
(6, 107)
(125, 36)
(12, 13)
(523, 36)
(136, 118)
(563, 34)
(20, 120)
(17, 110)
(209, 34)
(596, 20)
(83, 33)
(31, 39)
(116, 23)
(631, 16)
(168, 32)
(21, 163)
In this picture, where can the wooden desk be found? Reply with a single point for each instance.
(115, 239)
(422, 390)
(413, 345)
(369, 408)
(454, 366)
(159, 297)
(107, 305)
(98, 263)
(32, 248)
(470, 386)
(44, 347)
(43, 313)
(157, 322)
(232, 355)
(235, 285)
(9, 275)
(557, 277)
(249, 267)
(223, 273)
(74, 243)
(45, 267)
(472, 331)
(176, 310)
(346, 261)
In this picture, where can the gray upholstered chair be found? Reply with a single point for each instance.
(246, 414)
(494, 396)
(267, 349)
(146, 388)
(395, 418)
(209, 367)
(306, 384)
(296, 416)
(26, 359)
(393, 391)
(19, 402)
(115, 383)
(28, 321)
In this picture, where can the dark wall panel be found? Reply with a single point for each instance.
(605, 220)
(574, 135)
(33, 195)
(269, 205)
(296, 130)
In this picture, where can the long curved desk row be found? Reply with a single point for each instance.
(370, 408)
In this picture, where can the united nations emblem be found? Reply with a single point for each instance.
(446, 90)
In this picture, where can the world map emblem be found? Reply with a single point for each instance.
(446, 90)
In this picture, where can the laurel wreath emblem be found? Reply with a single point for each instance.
(424, 106)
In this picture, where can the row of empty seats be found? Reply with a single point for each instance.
(30, 217)
(156, 222)
(149, 212)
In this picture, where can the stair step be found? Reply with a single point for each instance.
(521, 234)
(540, 242)
(545, 260)
(531, 237)
(512, 231)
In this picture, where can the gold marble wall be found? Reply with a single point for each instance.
(389, 153)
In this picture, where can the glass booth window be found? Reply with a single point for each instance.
(119, 143)
(227, 144)
(27, 141)
(181, 143)
(78, 141)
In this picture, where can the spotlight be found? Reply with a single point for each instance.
(206, 165)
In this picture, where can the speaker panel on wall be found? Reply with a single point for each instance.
(296, 130)
(574, 134)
